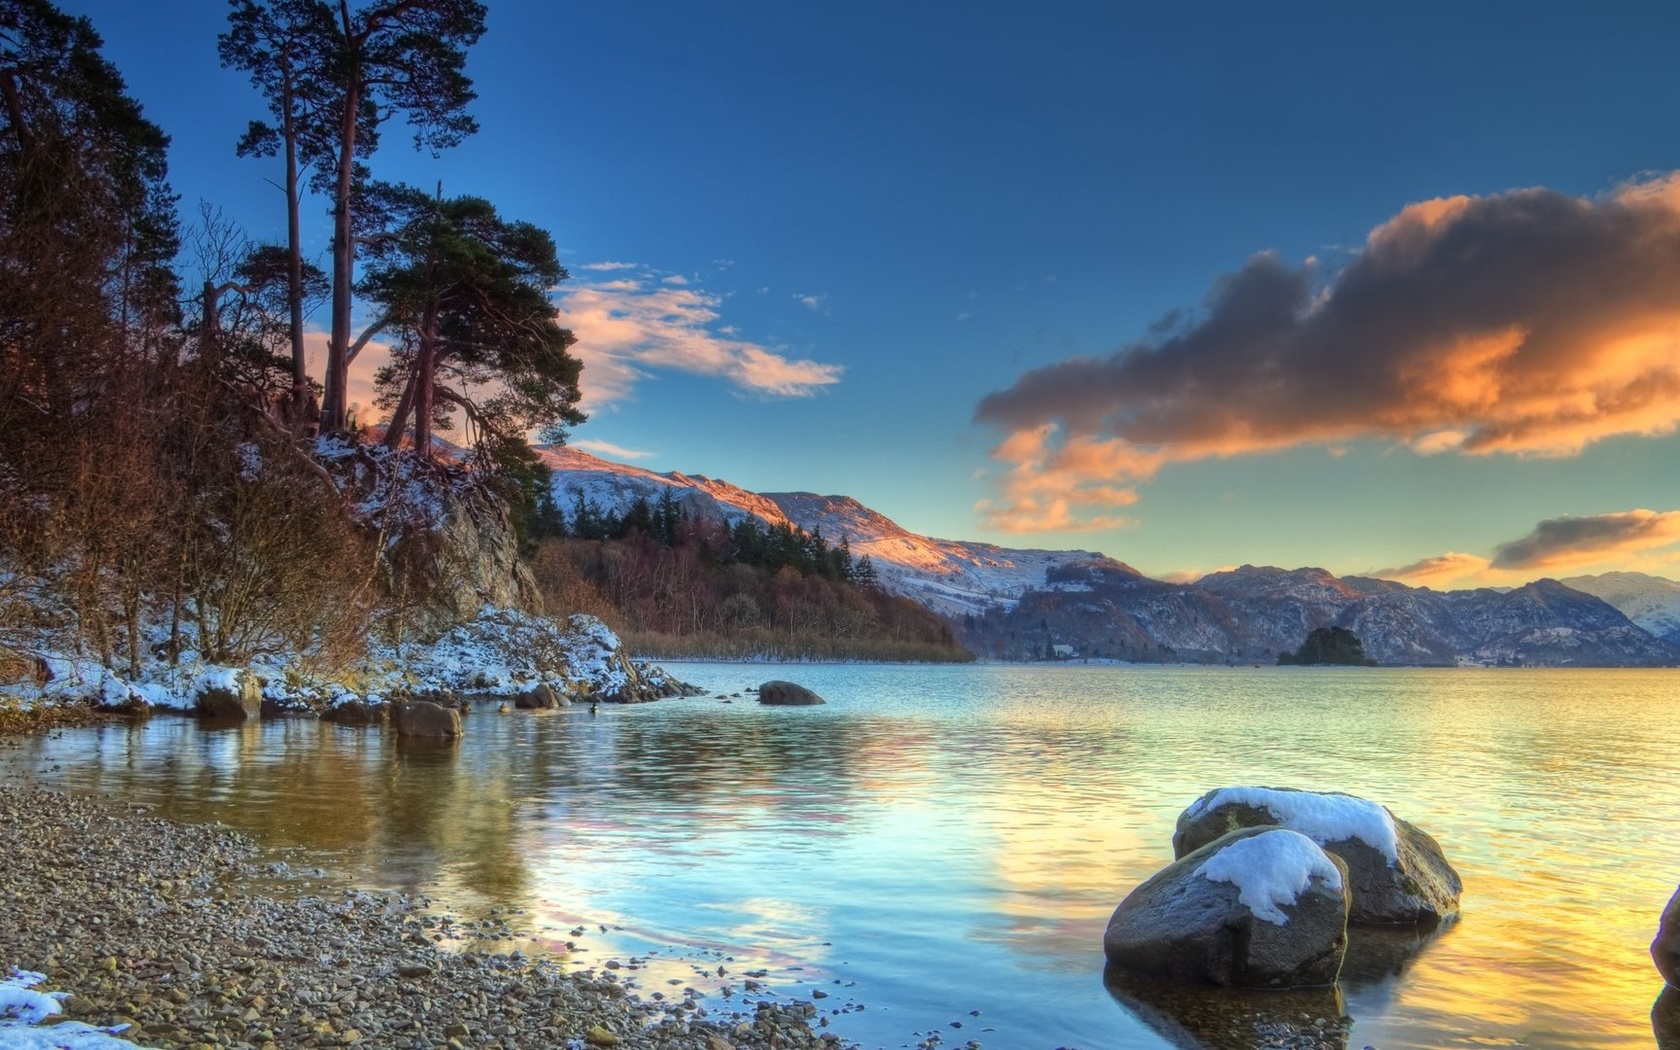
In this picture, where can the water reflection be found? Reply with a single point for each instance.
(954, 839)
(1665, 1018)
(1195, 1018)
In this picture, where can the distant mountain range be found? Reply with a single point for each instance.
(1038, 604)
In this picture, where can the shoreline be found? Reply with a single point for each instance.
(145, 922)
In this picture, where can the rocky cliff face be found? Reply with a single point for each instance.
(446, 544)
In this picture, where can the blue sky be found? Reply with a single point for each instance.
(839, 228)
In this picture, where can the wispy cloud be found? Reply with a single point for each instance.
(608, 267)
(1441, 571)
(607, 448)
(1625, 539)
(675, 278)
(630, 328)
(1529, 323)
(817, 304)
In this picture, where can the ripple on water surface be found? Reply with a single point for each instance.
(936, 841)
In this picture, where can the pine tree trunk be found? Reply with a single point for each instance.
(294, 254)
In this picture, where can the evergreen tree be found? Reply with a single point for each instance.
(286, 47)
(468, 290)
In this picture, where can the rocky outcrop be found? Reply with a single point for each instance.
(449, 543)
(421, 718)
(228, 695)
(1397, 872)
(787, 694)
(540, 697)
(1258, 908)
(1665, 950)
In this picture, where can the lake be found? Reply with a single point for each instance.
(942, 846)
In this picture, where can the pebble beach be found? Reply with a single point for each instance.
(162, 927)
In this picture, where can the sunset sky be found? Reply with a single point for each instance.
(1383, 289)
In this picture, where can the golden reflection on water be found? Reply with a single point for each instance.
(959, 837)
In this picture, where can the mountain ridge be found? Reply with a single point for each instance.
(1027, 603)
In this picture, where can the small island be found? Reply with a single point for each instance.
(1329, 645)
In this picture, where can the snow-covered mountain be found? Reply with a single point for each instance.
(948, 576)
(1251, 614)
(1022, 603)
(1652, 602)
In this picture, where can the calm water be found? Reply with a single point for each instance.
(944, 840)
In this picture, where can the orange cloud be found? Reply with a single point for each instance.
(1441, 571)
(1050, 487)
(627, 329)
(1526, 323)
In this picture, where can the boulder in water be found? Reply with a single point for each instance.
(1257, 908)
(787, 694)
(1398, 872)
(425, 719)
(1665, 950)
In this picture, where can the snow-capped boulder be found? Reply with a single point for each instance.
(1397, 871)
(227, 693)
(1665, 950)
(424, 718)
(1258, 908)
(787, 694)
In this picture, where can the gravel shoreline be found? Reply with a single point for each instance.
(144, 922)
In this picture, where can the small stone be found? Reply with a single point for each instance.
(600, 1036)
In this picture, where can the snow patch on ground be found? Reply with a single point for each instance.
(1322, 817)
(22, 1008)
(500, 652)
(1271, 870)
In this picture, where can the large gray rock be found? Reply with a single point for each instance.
(1397, 871)
(232, 698)
(787, 694)
(425, 719)
(1258, 908)
(540, 697)
(1665, 950)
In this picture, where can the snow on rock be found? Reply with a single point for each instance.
(1328, 817)
(1218, 915)
(22, 1009)
(503, 652)
(1397, 873)
(1271, 870)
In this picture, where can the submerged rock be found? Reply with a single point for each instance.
(1257, 908)
(425, 719)
(1665, 950)
(1397, 871)
(355, 712)
(787, 694)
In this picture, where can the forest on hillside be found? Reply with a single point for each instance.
(677, 586)
(173, 479)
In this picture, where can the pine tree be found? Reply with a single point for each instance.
(468, 290)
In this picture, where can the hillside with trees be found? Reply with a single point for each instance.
(175, 487)
(679, 586)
